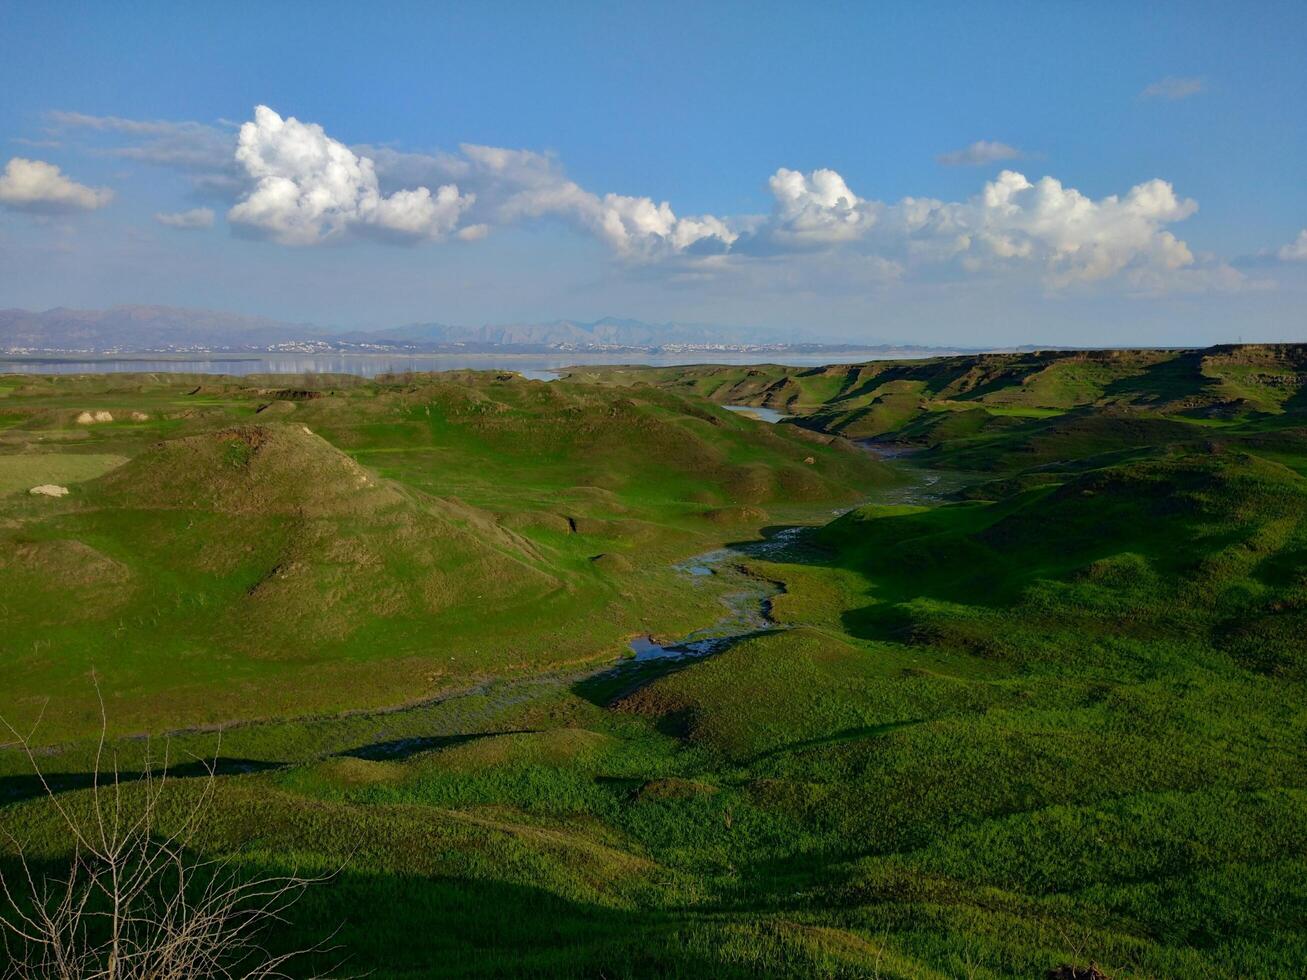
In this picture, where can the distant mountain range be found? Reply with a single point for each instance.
(144, 328)
(162, 329)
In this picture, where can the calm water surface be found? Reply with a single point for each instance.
(540, 367)
(762, 414)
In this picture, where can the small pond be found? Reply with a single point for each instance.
(755, 411)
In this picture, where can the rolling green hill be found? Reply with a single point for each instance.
(256, 550)
(1011, 411)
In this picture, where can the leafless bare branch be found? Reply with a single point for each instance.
(134, 902)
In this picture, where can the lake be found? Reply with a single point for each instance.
(541, 367)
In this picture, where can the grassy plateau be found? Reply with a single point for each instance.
(1030, 691)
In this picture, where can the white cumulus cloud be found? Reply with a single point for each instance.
(637, 227)
(1068, 235)
(979, 153)
(1076, 237)
(519, 184)
(308, 188)
(41, 188)
(1296, 250)
(816, 209)
(192, 219)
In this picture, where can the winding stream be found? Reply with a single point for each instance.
(748, 603)
(749, 598)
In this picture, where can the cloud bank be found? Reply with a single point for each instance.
(41, 188)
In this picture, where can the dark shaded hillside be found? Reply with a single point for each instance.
(1191, 555)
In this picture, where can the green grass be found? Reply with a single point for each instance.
(22, 471)
(1052, 719)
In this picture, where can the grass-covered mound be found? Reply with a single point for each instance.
(213, 564)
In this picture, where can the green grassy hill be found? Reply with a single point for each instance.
(1010, 411)
(230, 549)
(1203, 550)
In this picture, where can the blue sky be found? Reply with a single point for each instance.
(831, 169)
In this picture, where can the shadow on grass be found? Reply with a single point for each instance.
(404, 748)
(411, 925)
(14, 789)
(606, 688)
(835, 738)
(26, 786)
(416, 926)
